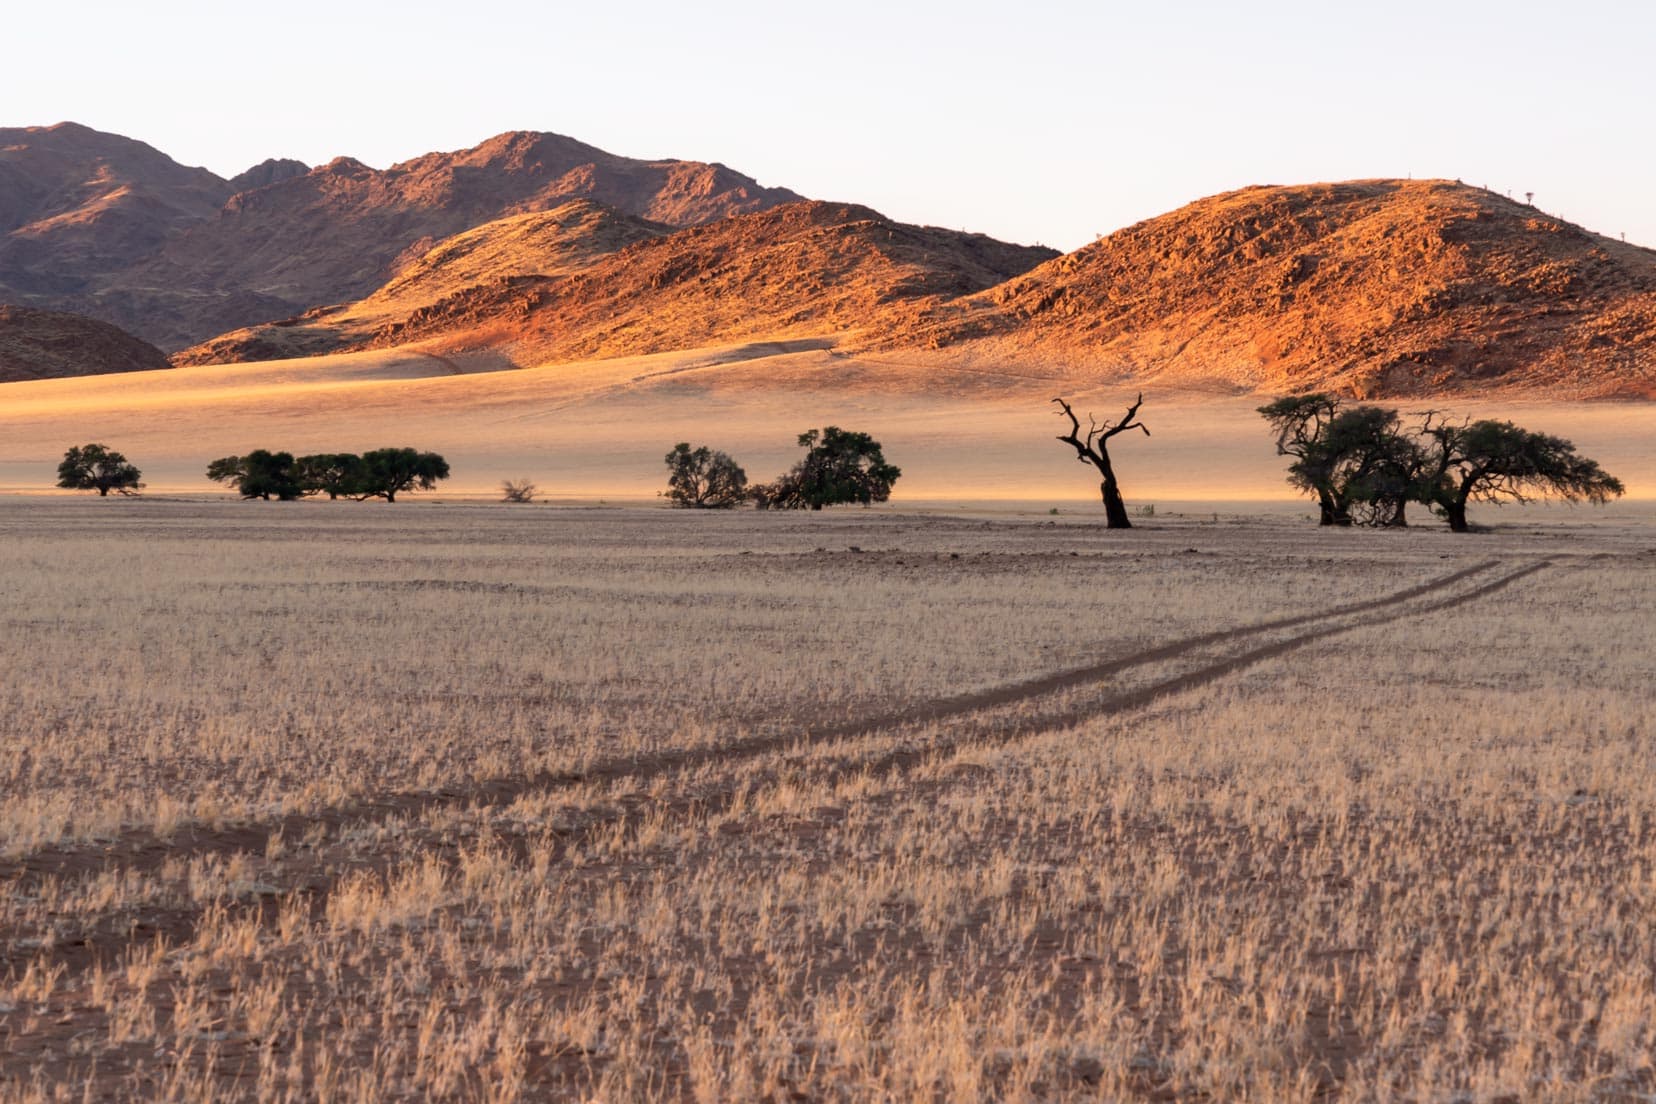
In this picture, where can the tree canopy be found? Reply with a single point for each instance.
(1362, 464)
(383, 473)
(1487, 461)
(701, 478)
(98, 468)
(260, 474)
(388, 472)
(839, 467)
(334, 474)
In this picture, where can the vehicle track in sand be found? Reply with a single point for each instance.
(144, 851)
(313, 881)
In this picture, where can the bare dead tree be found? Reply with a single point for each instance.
(1093, 449)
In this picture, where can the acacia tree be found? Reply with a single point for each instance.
(701, 478)
(1300, 422)
(98, 468)
(840, 466)
(387, 472)
(260, 474)
(1487, 461)
(1360, 462)
(1094, 449)
(334, 474)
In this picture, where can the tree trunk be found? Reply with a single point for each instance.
(390, 496)
(103, 492)
(1455, 510)
(1115, 510)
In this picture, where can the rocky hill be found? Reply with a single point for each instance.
(808, 269)
(1380, 287)
(109, 227)
(545, 245)
(78, 207)
(37, 344)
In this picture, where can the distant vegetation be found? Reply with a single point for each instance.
(98, 468)
(382, 473)
(518, 490)
(1364, 467)
(701, 478)
(839, 467)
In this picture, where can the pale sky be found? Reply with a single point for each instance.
(1032, 121)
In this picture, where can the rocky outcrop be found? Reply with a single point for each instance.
(270, 171)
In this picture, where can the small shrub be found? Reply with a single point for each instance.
(517, 490)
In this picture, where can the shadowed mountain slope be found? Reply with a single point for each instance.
(37, 344)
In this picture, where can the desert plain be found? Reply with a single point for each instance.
(959, 797)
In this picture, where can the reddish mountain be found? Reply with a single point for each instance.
(541, 244)
(1381, 287)
(804, 270)
(37, 344)
(110, 227)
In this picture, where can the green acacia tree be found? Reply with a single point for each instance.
(1301, 422)
(335, 474)
(388, 472)
(98, 468)
(260, 474)
(840, 467)
(700, 478)
(1488, 461)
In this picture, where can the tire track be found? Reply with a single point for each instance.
(142, 851)
(180, 924)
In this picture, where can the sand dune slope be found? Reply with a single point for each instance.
(960, 430)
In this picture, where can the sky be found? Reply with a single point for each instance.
(1033, 121)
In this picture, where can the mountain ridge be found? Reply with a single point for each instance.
(107, 226)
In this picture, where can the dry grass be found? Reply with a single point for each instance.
(1410, 858)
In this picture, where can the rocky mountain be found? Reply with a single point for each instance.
(77, 206)
(543, 245)
(110, 227)
(1378, 287)
(37, 344)
(272, 170)
(807, 269)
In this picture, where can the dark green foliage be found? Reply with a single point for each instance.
(1362, 465)
(839, 467)
(98, 468)
(1300, 421)
(703, 479)
(388, 472)
(1486, 461)
(334, 474)
(260, 474)
(1360, 461)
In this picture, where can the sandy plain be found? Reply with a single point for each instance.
(956, 798)
(478, 801)
(963, 430)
